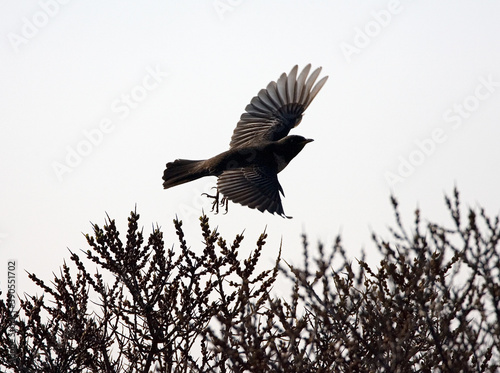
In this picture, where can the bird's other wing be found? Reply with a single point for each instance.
(255, 187)
(278, 108)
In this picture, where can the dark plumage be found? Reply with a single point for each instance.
(260, 146)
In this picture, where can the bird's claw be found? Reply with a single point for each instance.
(216, 203)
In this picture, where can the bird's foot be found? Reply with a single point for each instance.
(224, 201)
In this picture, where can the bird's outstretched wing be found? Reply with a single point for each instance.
(255, 187)
(278, 108)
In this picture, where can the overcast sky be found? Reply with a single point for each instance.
(97, 96)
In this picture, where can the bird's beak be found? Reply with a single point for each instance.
(308, 140)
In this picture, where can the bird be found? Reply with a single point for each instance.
(260, 146)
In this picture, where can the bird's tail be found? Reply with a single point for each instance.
(181, 171)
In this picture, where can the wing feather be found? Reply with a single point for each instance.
(278, 108)
(255, 187)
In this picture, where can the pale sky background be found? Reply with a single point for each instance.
(403, 75)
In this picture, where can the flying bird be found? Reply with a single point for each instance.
(260, 147)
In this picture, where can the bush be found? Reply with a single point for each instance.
(432, 304)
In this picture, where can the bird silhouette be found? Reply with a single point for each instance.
(260, 147)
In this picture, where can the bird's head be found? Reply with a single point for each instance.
(289, 146)
(294, 142)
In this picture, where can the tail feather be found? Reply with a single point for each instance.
(182, 171)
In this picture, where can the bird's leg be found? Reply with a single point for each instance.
(225, 201)
(216, 203)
